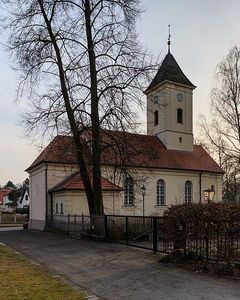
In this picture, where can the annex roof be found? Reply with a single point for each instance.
(74, 182)
(170, 71)
(131, 150)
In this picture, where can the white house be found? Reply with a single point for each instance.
(142, 174)
(24, 200)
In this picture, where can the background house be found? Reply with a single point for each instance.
(4, 192)
(25, 199)
(142, 174)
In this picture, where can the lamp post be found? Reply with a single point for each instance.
(209, 194)
(143, 189)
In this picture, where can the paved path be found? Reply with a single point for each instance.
(11, 228)
(116, 272)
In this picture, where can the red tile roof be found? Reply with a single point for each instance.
(131, 150)
(3, 192)
(74, 182)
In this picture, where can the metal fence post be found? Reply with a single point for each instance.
(154, 234)
(127, 237)
(82, 223)
(106, 227)
(75, 225)
(68, 223)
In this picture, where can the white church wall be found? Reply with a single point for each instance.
(37, 185)
(75, 202)
(41, 180)
(175, 188)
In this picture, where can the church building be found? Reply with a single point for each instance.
(153, 172)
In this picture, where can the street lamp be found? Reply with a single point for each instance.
(209, 194)
(143, 189)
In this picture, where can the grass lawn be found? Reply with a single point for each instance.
(21, 279)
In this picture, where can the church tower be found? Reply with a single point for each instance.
(169, 106)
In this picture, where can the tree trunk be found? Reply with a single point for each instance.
(74, 129)
(96, 144)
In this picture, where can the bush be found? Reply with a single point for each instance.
(209, 231)
(23, 211)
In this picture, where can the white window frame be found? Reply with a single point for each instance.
(188, 191)
(128, 192)
(161, 193)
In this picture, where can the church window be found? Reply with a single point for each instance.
(128, 192)
(56, 208)
(161, 192)
(61, 209)
(188, 191)
(156, 117)
(179, 115)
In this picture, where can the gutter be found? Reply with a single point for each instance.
(46, 195)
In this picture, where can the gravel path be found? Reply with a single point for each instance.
(115, 272)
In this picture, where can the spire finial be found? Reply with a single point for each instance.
(169, 38)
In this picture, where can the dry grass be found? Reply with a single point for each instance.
(22, 279)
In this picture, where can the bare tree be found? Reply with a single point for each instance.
(222, 132)
(82, 67)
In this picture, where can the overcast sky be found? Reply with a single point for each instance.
(203, 31)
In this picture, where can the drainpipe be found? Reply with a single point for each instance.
(200, 187)
(46, 195)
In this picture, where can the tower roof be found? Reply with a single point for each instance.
(170, 71)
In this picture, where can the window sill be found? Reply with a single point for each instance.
(161, 206)
(128, 207)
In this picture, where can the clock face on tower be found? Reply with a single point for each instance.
(179, 97)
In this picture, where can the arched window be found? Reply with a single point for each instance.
(161, 192)
(61, 208)
(188, 191)
(128, 192)
(179, 115)
(56, 208)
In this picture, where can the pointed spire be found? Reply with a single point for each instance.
(169, 38)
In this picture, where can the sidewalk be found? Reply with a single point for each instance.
(116, 272)
(10, 227)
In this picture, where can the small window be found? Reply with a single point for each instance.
(61, 208)
(128, 192)
(161, 192)
(179, 115)
(156, 117)
(188, 192)
(26, 197)
(56, 208)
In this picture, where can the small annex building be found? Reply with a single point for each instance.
(143, 174)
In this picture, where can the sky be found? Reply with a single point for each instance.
(202, 32)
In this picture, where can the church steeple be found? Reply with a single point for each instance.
(170, 71)
(169, 39)
(169, 105)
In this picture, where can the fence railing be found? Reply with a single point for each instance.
(198, 240)
(7, 218)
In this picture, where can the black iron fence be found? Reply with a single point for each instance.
(161, 234)
(137, 231)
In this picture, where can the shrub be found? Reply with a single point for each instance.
(205, 230)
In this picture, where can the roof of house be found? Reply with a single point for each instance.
(131, 150)
(3, 193)
(170, 71)
(74, 182)
(26, 190)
